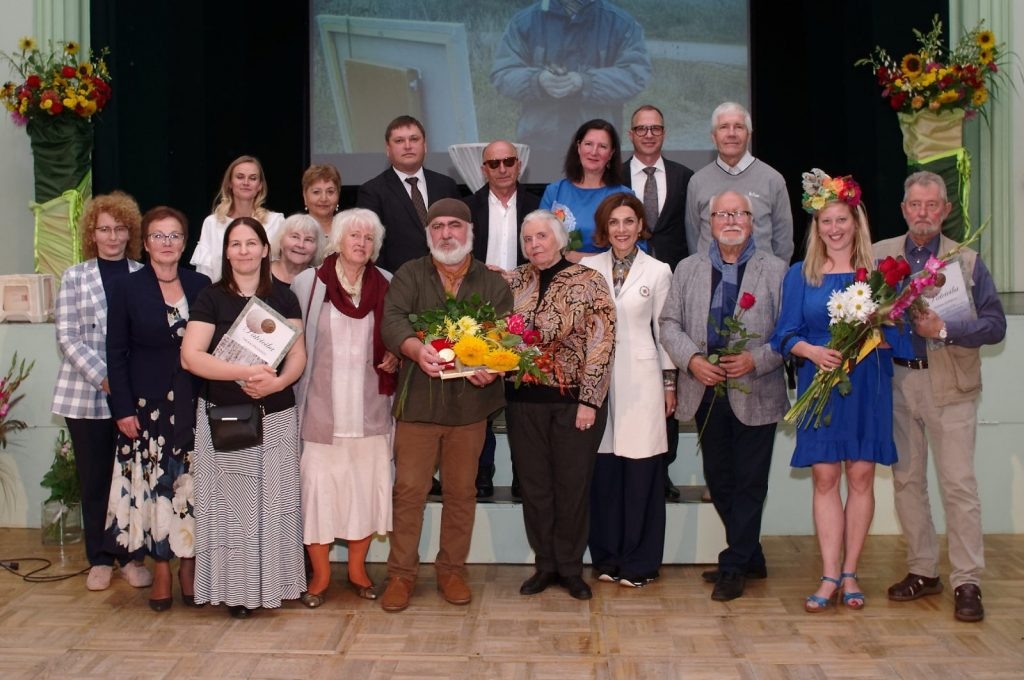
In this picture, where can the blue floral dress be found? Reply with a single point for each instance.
(151, 491)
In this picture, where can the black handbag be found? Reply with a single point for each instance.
(235, 427)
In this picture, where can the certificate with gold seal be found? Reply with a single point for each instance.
(260, 335)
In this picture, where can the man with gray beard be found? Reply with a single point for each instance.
(438, 422)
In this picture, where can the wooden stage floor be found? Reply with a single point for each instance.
(670, 629)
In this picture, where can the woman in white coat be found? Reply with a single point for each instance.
(627, 522)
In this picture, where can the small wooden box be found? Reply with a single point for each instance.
(26, 297)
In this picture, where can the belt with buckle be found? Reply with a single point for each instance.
(911, 363)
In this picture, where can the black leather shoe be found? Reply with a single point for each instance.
(161, 605)
(711, 575)
(671, 492)
(239, 612)
(729, 586)
(577, 587)
(515, 488)
(538, 583)
(485, 481)
(435, 487)
(967, 603)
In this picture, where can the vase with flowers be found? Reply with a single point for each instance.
(62, 510)
(56, 95)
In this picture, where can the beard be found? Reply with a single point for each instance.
(452, 256)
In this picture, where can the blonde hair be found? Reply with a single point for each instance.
(224, 204)
(303, 224)
(817, 254)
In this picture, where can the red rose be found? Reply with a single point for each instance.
(887, 264)
(531, 337)
(861, 275)
(892, 278)
(33, 81)
(903, 267)
(68, 71)
(747, 301)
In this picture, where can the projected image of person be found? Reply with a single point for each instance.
(593, 172)
(568, 61)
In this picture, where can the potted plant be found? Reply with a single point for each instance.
(62, 511)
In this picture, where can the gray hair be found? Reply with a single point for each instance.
(714, 199)
(558, 229)
(303, 224)
(924, 178)
(352, 217)
(731, 107)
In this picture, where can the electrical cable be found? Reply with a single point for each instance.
(12, 565)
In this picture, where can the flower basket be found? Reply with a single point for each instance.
(61, 524)
(930, 133)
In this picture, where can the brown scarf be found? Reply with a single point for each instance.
(371, 299)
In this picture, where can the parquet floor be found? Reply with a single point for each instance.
(670, 629)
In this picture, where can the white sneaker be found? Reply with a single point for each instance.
(99, 577)
(136, 574)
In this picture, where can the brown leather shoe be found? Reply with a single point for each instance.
(396, 595)
(454, 589)
(914, 586)
(967, 605)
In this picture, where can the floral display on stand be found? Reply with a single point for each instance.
(56, 95)
(62, 511)
(9, 384)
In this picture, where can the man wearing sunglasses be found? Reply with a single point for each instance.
(498, 209)
(661, 184)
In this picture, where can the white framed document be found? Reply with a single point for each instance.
(260, 335)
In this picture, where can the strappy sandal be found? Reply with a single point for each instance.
(815, 603)
(854, 599)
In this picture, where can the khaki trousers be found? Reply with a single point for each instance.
(918, 421)
(419, 448)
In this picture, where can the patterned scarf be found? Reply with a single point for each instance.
(725, 294)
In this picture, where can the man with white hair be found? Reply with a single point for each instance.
(735, 169)
(439, 421)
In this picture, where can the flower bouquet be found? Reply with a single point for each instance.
(61, 511)
(469, 336)
(875, 299)
(935, 79)
(9, 384)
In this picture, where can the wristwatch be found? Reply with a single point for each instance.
(943, 333)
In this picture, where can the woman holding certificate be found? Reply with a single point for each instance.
(345, 403)
(248, 538)
(153, 402)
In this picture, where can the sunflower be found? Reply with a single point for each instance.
(501, 360)
(979, 97)
(27, 44)
(471, 351)
(71, 47)
(985, 39)
(911, 65)
(985, 56)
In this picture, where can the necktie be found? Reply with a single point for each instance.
(650, 199)
(417, 199)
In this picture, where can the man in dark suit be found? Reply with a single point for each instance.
(661, 185)
(498, 209)
(400, 195)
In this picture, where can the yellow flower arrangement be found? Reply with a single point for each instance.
(938, 79)
(471, 350)
(55, 82)
(501, 360)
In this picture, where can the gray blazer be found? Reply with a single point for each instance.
(684, 332)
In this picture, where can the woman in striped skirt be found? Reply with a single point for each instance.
(248, 535)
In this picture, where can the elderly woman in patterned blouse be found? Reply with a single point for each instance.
(554, 429)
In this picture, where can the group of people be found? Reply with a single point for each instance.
(632, 274)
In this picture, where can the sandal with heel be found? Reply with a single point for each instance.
(853, 600)
(815, 603)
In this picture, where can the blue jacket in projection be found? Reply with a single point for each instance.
(601, 42)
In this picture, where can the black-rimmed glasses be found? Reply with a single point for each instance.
(656, 130)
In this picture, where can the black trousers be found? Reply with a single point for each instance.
(737, 460)
(94, 458)
(555, 463)
(672, 431)
(627, 516)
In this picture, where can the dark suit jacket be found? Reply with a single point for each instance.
(404, 236)
(142, 357)
(668, 242)
(479, 208)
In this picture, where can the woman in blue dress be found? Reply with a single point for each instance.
(593, 172)
(858, 433)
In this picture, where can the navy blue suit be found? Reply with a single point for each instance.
(404, 235)
(143, 358)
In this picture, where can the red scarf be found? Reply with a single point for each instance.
(371, 299)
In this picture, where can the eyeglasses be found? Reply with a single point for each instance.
(736, 215)
(508, 162)
(120, 230)
(656, 130)
(157, 237)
